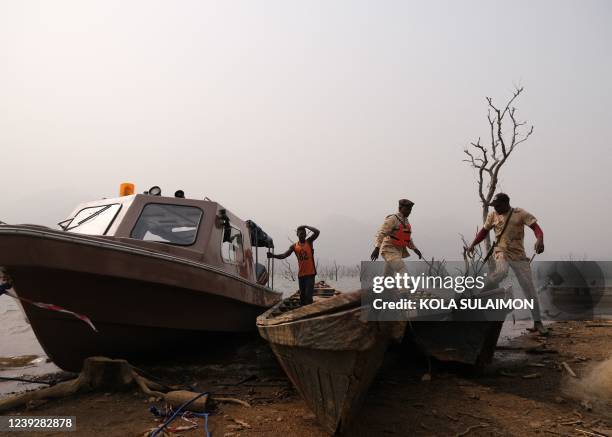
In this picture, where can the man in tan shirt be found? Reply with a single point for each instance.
(395, 238)
(510, 250)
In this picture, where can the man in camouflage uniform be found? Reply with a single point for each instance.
(386, 243)
(510, 251)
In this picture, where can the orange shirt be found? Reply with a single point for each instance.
(305, 256)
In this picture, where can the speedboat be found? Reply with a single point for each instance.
(151, 272)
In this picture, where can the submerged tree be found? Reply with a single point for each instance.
(506, 133)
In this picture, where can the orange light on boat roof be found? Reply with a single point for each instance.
(126, 189)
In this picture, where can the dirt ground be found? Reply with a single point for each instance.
(520, 394)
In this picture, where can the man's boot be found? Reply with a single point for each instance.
(540, 328)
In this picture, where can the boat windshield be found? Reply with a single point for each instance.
(174, 224)
(93, 220)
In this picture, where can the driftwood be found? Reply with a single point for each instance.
(470, 429)
(105, 374)
(569, 370)
(232, 401)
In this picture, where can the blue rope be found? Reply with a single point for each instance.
(157, 413)
(176, 413)
(205, 416)
(206, 425)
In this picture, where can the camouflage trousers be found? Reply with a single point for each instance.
(394, 263)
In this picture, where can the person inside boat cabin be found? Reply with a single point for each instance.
(395, 238)
(509, 251)
(304, 251)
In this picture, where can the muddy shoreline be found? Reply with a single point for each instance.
(521, 393)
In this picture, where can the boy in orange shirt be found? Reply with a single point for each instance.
(304, 251)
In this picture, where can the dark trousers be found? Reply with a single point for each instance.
(306, 288)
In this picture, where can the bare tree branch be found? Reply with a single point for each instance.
(488, 160)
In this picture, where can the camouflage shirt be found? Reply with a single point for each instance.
(384, 241)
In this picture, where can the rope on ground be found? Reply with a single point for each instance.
(205, 416)
(176, 413)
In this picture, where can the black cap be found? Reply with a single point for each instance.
(499, 199)
(405, 202)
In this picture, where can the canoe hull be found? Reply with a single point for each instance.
(333, 384)
(330, 357)
(471, 343)
(467, 337)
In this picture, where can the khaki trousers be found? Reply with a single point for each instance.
(522, 270)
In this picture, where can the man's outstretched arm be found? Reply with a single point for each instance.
(480, 235)
(281, 255)
(539, 234)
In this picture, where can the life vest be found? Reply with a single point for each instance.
(402, 236)
(305, 255)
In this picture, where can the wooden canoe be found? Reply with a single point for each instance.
(330, 355)
(467, 337)
(471, 343)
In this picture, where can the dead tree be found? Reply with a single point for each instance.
(506, 133)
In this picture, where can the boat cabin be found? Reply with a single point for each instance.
(200, 230)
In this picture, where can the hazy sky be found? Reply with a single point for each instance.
(312, 112)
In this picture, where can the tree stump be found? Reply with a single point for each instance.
(98, 374)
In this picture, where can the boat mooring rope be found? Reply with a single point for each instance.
(6, 286)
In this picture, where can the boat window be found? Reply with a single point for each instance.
(174, 224)
(231, 247)
(93, 220)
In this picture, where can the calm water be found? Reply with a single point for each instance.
(19, 340)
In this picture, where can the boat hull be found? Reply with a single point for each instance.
(141, 303)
